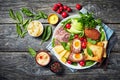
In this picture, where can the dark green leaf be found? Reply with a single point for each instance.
(74, 63)
(65, 45)
(89, 63)
(37, 17)
(71, 37)
(43, 15)
(19, 17)
(32, 52)
(89, 51)
(18, 29)
(12, 15)
(27, 12)
(25, 24)
(81, 34)
(91, 41)
(65, 22)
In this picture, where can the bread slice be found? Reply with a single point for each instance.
(104, 45)
(97, 52)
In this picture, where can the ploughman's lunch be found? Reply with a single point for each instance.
(78, 41)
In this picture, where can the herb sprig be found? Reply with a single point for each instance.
(88, 20)
(21, 25)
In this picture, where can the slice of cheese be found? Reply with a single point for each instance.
(67, 54)
(63, 59)
(62, 53)
(104, 45)
(58, 48)
(97, 52)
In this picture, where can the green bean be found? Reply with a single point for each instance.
(49, 32)
(44, 33)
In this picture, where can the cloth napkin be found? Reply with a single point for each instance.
(109, 32)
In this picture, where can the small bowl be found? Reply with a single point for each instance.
(53, 19)
(56, 67)
(35, 28)
(42, 58)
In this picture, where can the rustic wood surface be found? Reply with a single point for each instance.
(17, 64)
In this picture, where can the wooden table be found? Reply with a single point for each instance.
(17, 64)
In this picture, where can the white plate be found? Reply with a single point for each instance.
(66, 64)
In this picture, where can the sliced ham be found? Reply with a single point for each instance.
(61, 35)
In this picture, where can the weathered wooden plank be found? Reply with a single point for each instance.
(14, 64)
(107, 10)
(15, 43)
(10, 42)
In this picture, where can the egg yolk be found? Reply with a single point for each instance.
(77, 44)
(77, 55)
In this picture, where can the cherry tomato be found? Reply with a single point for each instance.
(68, 26)
(81, 39)
(64, 14)
(76, 36)
(82, 63)
(60, 4)
(85, 40)
(56, 6)
(61, 8)
(84, 45)
(54, 9)
(59, 11)
(69, 9)
(78, 6)
(69, 62)
(65, 7)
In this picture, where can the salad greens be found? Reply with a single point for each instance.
(74, 63)
(92, 41)
(88, 20)
(89, 62)
(71, 37)
(65, 22)
(66, 45)
(89, 51)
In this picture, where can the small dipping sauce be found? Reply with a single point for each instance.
(43, 58)
(53, 19)
(35, 28)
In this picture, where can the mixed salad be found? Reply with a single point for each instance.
(80, 40)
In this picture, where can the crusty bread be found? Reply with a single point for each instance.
(97, 52)
(104, 45)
